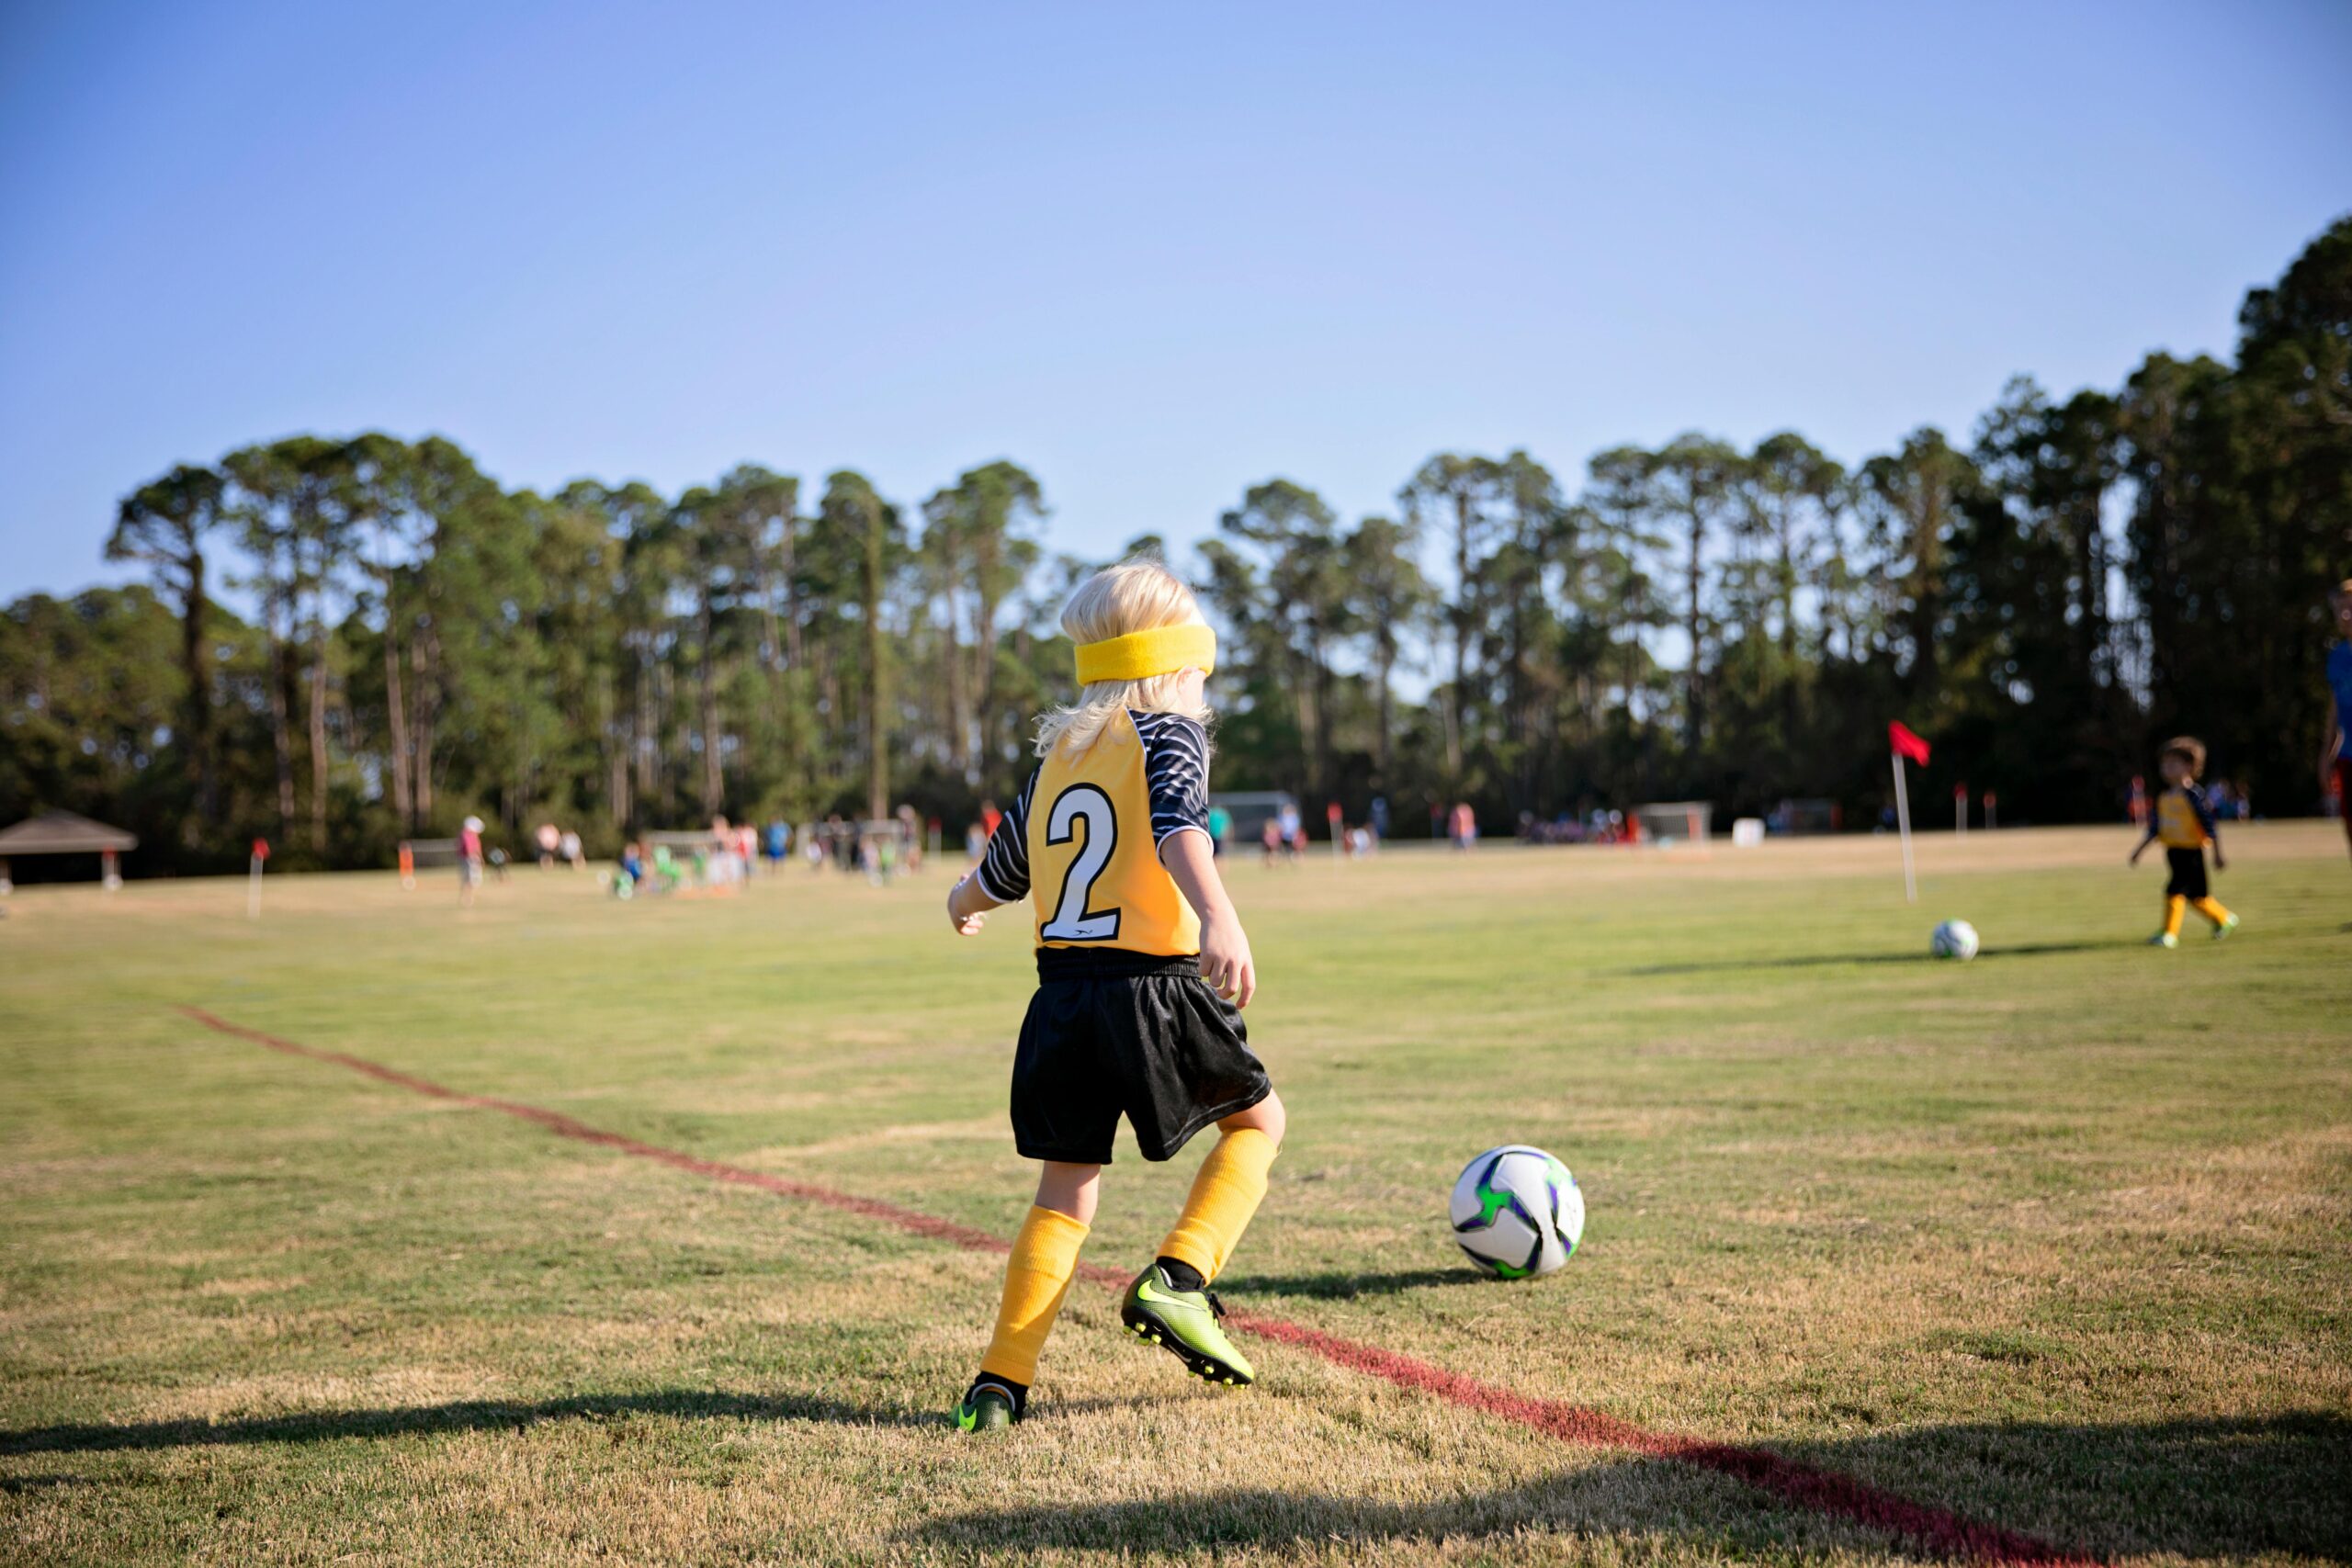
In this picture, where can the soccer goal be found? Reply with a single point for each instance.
(879, 847)
(1793, 817)
(1250, 811)
(694, 858)
(1666, 823)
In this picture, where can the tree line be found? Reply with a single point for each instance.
(1695, 619)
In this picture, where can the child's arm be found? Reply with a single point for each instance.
(2143, 843)
(1226, 963)
(1003, 876)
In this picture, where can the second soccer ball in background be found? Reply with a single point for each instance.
(1954, 939)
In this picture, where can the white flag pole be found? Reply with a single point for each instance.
(253, 890)
(1903, 818)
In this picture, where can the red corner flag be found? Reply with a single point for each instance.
(1905, 744)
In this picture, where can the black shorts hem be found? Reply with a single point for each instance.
(1184, 1134)
(1062, 1156)
(1214, 1115)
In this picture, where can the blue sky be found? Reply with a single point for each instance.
(1156, 256)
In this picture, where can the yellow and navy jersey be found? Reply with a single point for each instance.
(2182, 820)
(1085, 836)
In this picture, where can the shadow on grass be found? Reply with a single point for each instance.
(2201, 1487)
(462, 1415)
(1839, 960)
(1337, 1286)
(2196, 1488)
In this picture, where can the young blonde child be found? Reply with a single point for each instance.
(2185, 823)
(1142, 971)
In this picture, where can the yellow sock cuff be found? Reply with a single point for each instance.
(1226, 1192)
(2175, 906)
(1036, 1278)
(2210, 908)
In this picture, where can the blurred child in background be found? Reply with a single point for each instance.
(2186, 824)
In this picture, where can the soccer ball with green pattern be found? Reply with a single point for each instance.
(1517, 1212)
(1954, 939)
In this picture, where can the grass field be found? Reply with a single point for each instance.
(2059, 1241)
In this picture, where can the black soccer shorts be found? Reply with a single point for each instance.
(1112, 1033)
(2187, 874)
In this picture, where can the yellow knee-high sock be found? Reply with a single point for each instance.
(1036, 1278)
(1231, 1184)
(2210, 908)
(2175, 906)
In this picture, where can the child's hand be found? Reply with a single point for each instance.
(965, 924)
(2221, 860)
(2136, 851)
(1225, 964)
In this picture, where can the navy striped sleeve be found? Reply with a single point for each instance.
(1003, 871)
(2199, 803)
(1175, 774)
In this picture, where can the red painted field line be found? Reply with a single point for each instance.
(1804, 1486)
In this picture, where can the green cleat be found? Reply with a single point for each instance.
(1184, 1324)
(2164, 938)
(2221, 932)
(988, 1406)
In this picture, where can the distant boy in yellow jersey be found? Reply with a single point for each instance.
(1142, 971)
(2185, 823)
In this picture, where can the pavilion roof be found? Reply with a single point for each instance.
(63, 833)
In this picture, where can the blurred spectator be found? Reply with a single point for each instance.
(911, 837)
(469, 860)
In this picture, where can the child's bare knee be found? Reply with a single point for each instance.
(1267, 1116)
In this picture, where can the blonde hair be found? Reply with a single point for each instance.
(2189, 750)
(1133, 596)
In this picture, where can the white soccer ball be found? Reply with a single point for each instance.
(1517, 1212)
(1954, 939)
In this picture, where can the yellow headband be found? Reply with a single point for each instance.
(1138, 655)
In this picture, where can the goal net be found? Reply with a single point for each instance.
(1805, 816)
(1670, 822)
(426, 853)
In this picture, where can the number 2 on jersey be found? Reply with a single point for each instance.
(1073, 922)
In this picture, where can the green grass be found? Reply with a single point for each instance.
(2061, 1239)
